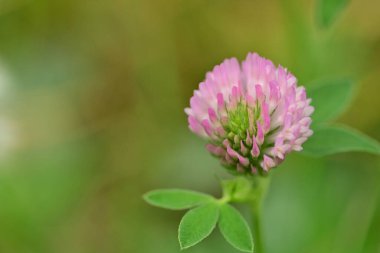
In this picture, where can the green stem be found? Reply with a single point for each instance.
(256, 224)
(258, 192)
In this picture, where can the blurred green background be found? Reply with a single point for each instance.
(91, 116)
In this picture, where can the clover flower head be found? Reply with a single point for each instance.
(252, 114)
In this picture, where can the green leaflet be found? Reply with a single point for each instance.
(330, 98)
(328, 140)
(235, 229)
(328, 11)
(197, 224)
(176, 199)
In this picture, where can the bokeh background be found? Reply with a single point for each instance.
(91, 116)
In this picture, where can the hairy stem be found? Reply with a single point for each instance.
(258, 192)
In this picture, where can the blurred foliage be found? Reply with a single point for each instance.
(328, 10)
(94, 92)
